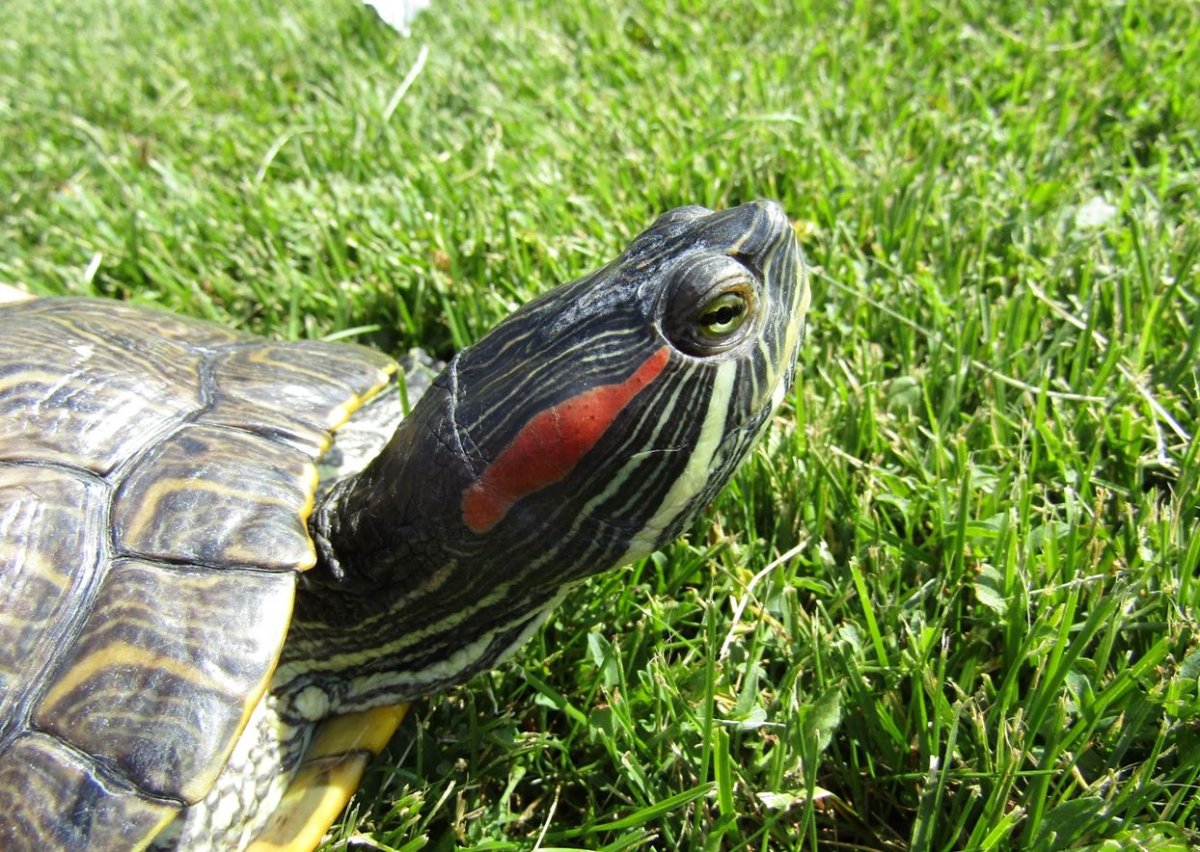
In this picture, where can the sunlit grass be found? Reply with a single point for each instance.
(982, 633)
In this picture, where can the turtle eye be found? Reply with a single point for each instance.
(723, 315)
(711, 306)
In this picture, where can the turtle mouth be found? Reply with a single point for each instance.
(776, 252)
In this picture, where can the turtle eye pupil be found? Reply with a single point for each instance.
(723, 315)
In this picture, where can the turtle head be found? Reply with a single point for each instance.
(611, 410)
(582, 432)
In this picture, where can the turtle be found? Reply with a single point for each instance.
(227, 564)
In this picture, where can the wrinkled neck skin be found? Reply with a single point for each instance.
(404, 599)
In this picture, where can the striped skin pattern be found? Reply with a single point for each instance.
(550, 445)
(418, 587)
(155, 477)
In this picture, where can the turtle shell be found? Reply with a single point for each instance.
(156, 476)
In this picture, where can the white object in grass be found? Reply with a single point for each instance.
(397, 14)
(1093, 214)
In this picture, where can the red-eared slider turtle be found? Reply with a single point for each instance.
(189, 622)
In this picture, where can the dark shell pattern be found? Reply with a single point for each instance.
(156, 476)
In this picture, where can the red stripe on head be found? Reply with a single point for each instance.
(550, 445)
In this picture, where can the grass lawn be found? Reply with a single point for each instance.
(952, 603)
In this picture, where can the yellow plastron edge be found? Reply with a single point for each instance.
(332, 769)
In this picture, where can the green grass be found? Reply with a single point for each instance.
(952, 603)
